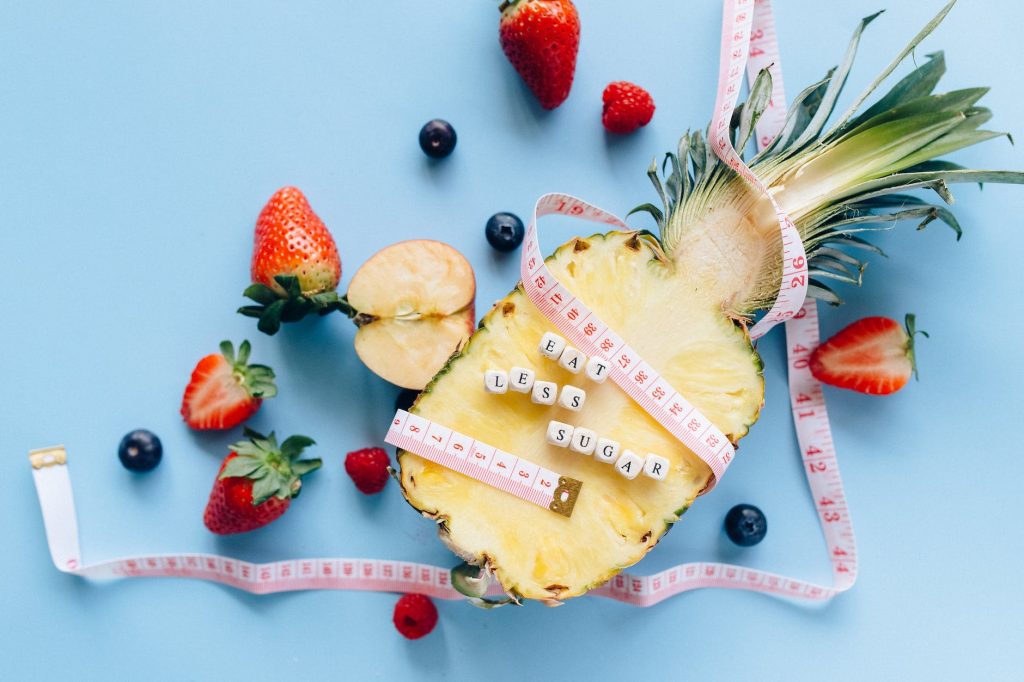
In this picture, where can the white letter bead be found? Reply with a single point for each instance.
(521, 379)
(572, 360)
(607, 450)
(544, 392)
(656, 467)
(495, 381)
(583, 441)
(597, 369)
(630, 464)
(559, 434)
(572, 398)
(552, 345)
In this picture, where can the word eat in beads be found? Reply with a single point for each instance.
(555, 347)
(587, 442)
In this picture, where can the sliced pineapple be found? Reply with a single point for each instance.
(541, 555)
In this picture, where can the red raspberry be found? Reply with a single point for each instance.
(626, 107)
(415, 615)
(368, 469)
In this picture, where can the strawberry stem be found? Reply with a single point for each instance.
(911, 331)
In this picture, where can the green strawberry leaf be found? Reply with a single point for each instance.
(261, 293)
(240, 467)
(290, 283)
(304, 466)
(252, 310)
(293, 446)
(270, 320)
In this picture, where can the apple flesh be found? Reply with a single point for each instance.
(415, 303)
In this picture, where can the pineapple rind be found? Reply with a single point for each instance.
(494, 546)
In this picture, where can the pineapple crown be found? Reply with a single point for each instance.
(841, 182)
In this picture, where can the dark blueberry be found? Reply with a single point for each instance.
(405, 399)
(505, 231)
(140, 450)
(437, 138)
(745, 525)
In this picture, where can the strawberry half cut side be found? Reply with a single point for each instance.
(874, 355)
(225, 389)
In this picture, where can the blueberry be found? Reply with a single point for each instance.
(437, 138)
(505, 231)
(405, 399)
(745, 525)
(140, 450)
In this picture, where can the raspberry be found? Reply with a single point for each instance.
(415, 615)
(626, 107)
(368, 469)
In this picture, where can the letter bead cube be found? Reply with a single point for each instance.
(521, 379)
(551, 345)
(629, 464)
(656, 467)
(607, 450)
(597, 369)
(495, 381)
(572, 360)
(559, 434)
(572, 398)
(583, 441)
(544, 392)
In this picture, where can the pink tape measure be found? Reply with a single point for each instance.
(748, 39)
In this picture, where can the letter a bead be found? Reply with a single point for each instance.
(629, 464)
(572, 360)
(495, 381)
(552, 345)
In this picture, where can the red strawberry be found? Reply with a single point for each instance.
(256, 483)
(368, 469)
(626, 107)
(295, 263)
(874, 355)
(224, 390)
(415, 615)
(541, 39)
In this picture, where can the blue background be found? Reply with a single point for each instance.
(138, 143)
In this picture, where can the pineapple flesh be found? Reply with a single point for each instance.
(682, 300)
(703, 353)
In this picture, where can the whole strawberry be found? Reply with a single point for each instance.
(295, 263)
(874, 355)
(415, 615)
(225, 390)
(257, 482)
(541, 39)
(626, 107)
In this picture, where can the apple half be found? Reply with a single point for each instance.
(415, 303)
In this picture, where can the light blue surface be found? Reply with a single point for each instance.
(138, 142)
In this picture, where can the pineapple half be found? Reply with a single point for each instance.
(683, 301)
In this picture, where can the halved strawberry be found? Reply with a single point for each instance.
(874, 355)
(225, 390)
